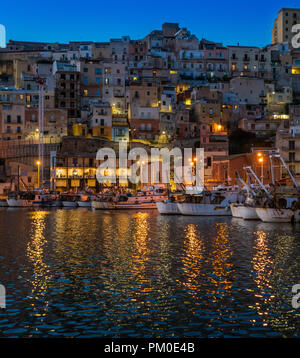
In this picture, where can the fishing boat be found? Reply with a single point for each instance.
(69, 200)
(84, 201)
(283, 205)
(41, 198)
(167, 207)
(135, 206)
(208, 203)
(20, 199)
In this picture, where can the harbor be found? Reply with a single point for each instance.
(90, 273)
(150, 175)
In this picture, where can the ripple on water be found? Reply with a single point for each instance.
(72, 273)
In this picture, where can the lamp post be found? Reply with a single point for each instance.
(38, 163)
(261, 161)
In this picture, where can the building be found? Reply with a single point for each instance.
(282, 28)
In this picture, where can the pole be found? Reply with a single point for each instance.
(38, 175)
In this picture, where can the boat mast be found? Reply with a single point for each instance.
(277, 155)
(249, 169)
(41, 129)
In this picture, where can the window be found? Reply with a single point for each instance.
(291, 145)
(102, 122)
(19, 119)
(18, 129)
(8, 118)
(8, 128)
(98, 80)
(85, 69)
(98, 71)
(292, 157)
(85, 80)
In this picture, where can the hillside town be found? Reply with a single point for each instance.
(168, 89)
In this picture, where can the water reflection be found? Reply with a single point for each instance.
(222, 268)
(41, 272)
(274, 276)
(192, 259)
(118, 274)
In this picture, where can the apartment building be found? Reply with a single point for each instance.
(67, 91)
(282, 28)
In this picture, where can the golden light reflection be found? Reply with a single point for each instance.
(262, 264)
(273, 273)
(222, 268)
(192, 259)
(141, 252)
(35, 253)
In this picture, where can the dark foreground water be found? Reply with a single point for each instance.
(82, 273)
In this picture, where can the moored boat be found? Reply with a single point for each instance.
(271, 215)
(214, 203)
(247, 212)
(69, 201)
(20, 199)
(135, 206)
(167, 207)
(84, 201)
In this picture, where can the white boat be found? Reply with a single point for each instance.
(20, 199)
(204, 209)
(167, 207)
(235, 210)
(208, 204)
(247, 212)
(270, 215)
(84, 204)
(19, 203)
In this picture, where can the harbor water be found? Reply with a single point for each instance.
(85, 273)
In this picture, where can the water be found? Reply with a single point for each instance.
(83, 273)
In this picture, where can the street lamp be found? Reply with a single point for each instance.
(38, 163)
(261, 161)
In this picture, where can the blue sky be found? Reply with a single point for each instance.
(230, 22)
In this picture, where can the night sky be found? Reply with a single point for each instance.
(230, 22)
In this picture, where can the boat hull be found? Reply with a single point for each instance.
(248, 213)
(167, 208)
(69, 204)
(139, 206)
(235, 210)
(103, 205)
(84, 204)
(19, 203)
(278, 215)
(204, 209)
